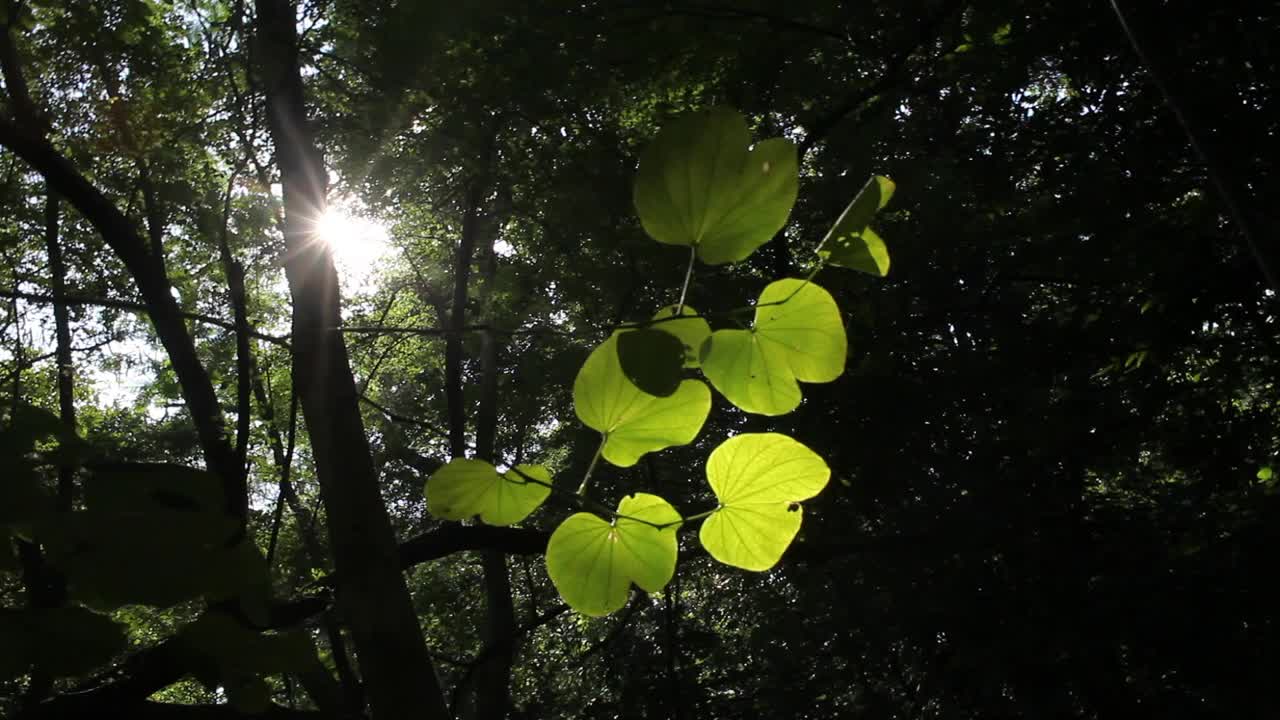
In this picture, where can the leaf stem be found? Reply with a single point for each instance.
(582, 500)
(688, 275)
(700, 515)
(752, 308)
(582, 489)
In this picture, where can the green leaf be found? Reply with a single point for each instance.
(692, 331)
(1265, 473)
(69, 641)
(234, 649)
(873, 196)
(31, 423)
(155, 558)
(633, 421)
(759, 479)
(652, 360)
(152, 534)
(798, 335)
(698, 185)
(864, 252)
(464, 488)
(140, 486)
(22, 499)
(851, 242)
(593, 562)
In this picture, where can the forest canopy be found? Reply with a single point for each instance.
(488, 360)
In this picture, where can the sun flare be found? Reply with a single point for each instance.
(358, 242)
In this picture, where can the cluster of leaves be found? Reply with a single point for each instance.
(701, 185)
(143, 534)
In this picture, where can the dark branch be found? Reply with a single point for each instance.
(138, 307)
(446, 332)
(455, 538)
(405, 419)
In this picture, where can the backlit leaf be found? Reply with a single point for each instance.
(864, 252)
(633, 421)
(593, 562)
(699, 185)
(851, 242)
(798, 335)
(464, 488)
(759, 479)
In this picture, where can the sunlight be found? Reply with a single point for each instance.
(358, 242)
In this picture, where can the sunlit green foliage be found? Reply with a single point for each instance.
(797, 335)
(593, 562)
(465, 488)
(698, 186)
(632, 421)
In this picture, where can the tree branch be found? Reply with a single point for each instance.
(1212, 164)
(29, 143)
(137, 307)
(450, 331)
(453, 538)
(239, 308)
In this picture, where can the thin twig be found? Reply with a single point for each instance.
(138, 307)
(443, 332)
(1210, 163)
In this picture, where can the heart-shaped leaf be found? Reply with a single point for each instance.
(71, 641)
(633, 421)
(864, 252)
(759, 479)
(698, 184)
(464, 488)
(651, 359)
(153, 558)
(128, 487)
(22, 499)
(689, 327)
(593, 562)
(218, 638)
(797, 335)
(851, 242)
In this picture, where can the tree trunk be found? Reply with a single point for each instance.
(399, 678)
(493, 676)
(489, 694)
